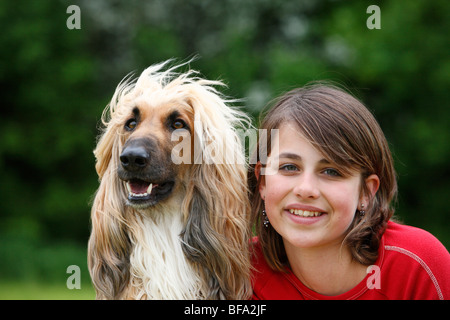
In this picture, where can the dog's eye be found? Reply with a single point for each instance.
(178, 124)
(130, 124)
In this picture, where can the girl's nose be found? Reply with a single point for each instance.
(307, 186)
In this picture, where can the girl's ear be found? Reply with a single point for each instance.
(372, 183)
(261, 180)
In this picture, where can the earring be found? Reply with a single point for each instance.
(362, 212)
(266, 221)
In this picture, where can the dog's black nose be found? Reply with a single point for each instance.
(134, 158)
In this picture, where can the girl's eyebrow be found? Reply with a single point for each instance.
(289, 155)
(294, 156)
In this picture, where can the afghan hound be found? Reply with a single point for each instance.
(169, 219)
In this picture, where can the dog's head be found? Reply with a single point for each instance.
(168, 134)
(146, 164)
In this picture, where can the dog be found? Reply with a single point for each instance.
(170, 219)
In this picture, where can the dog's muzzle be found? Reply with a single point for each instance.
(149, 177)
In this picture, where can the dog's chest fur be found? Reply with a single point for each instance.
(159, 268)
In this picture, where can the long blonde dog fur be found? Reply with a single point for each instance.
(190, 238)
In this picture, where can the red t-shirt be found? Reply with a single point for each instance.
(412, 264)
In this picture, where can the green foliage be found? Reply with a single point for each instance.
(55, 83)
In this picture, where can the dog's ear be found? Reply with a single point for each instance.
(217, 233)
(109, 245)
(199, 240)
(108, 255)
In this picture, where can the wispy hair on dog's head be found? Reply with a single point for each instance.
(209, 196)
(211, 109)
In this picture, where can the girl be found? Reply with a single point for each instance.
(322, 208)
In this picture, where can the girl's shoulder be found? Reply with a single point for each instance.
(417, 260)
(414, 240)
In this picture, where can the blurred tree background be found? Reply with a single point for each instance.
(55, 83)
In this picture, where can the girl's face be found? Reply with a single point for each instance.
(308, 200)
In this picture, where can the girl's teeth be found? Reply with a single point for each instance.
(305, 213)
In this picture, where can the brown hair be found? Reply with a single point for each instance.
(345, 132)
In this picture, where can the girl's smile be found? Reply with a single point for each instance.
(303, 214)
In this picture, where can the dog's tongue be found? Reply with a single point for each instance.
(139, 186)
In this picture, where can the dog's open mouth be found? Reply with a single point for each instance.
(144, 194)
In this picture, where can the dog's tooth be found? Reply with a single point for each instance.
(128, 187)
(149, 189)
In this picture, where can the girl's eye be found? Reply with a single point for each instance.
(332, 172)
(178, 124)
(131, 124)
(288, 167)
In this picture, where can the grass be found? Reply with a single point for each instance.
(44, 291)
